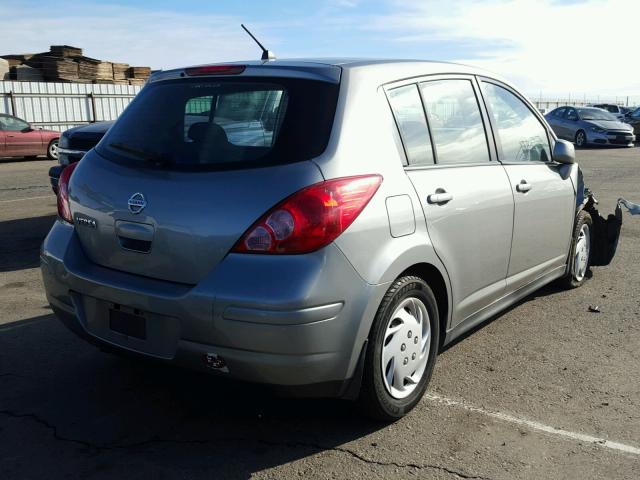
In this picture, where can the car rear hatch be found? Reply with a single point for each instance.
(191, 164)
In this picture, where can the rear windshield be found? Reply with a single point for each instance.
(224, 123)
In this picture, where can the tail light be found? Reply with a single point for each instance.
(64, 211)
(310, 218)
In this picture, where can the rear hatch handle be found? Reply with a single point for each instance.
(135, 236)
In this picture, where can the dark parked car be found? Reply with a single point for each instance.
(634, 120)
(19, 139)
(74, 143)
(590, 126)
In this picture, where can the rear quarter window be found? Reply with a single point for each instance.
(409, 115)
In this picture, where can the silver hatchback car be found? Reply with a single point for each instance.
(321, 226)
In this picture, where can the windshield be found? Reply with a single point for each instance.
(595, 114)
(224, 123)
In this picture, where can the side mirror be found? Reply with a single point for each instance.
(563, 152)
(28, 128)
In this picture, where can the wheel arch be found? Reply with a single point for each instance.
(436, 281)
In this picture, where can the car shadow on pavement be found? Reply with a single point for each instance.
(67, 409)
(20, 242)
(548, 290)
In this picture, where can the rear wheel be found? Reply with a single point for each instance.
(581, 139)
(52, 150)
(580, 254)
(401, 351)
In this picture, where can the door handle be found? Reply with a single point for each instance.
(441, 196)
(523, 186)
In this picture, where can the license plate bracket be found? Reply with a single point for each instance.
(128, 324)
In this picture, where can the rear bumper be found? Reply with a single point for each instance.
(293, 321)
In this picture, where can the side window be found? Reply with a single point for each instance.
(407, 109)
(13, 124)
(455, 121)
(559, 112)
(522, 136)
(572, 114)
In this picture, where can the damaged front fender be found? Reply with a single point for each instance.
(606, 232)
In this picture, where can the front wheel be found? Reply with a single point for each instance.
(52, 150)
(581, 139)
(580, 254)
(401, 352)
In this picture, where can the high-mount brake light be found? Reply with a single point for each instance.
(310, 218)
(64, 210)
(215, 70)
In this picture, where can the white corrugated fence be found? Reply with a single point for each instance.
(59, 106)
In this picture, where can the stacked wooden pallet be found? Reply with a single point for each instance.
(120, 72)
(65, 51)
(55, 68)
(15, 60)
(138, 75)
(104, 71)
(64, 63)
(139, 72)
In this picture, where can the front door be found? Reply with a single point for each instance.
(20, 140)
(465, 196)
(543, 192)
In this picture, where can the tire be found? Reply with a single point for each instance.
(411, 298)
(578, 269)
(52, 150)
(581, 139)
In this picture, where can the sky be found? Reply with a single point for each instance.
(546, 47)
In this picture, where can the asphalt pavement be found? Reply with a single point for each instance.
(548, 389)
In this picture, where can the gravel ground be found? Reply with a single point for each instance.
(528, 395)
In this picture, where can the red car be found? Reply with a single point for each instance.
(19, 139)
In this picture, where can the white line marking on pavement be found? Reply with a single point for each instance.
(27, 198)
(535, 425)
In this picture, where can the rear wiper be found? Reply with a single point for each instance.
(147, 156)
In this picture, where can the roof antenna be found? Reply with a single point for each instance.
(266, 54)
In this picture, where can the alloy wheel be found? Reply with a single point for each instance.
(53, 150)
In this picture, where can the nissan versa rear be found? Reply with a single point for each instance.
(323, 227)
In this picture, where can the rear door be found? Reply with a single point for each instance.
(466, 197)
(571, 124)
(556, 120)
(544, 194)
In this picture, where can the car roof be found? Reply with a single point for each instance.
(375, 70)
